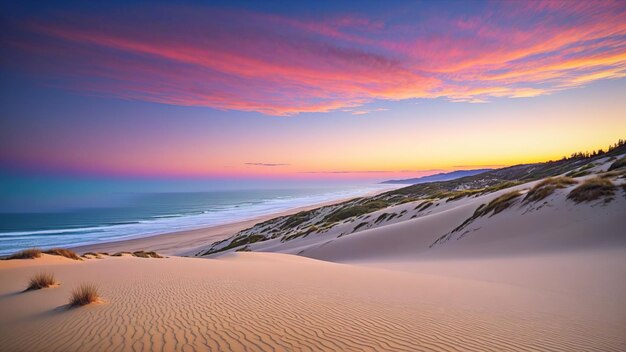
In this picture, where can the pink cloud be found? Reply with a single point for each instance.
(280, 65)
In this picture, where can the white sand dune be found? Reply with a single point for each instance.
(277, 302)
(555, 224)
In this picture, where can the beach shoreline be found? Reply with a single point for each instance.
(190, 242)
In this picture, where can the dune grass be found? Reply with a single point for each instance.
(83, 295)
(592, 189)
(546, 187)
(144, 254)
(364, 223)
(620, 163)
(63, 253)
(26, 254)
(498, 204)
(41, 280)
(354, 210)
(119, 254)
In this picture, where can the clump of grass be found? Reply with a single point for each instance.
(64, 253)
(546, 187)
(144, 254)
(83, 295)
(356, 210)
(92, 254)
(498, 204)
(592, 189)
(41, 280)
(423, 206)
(620, 163)
(360, 225)
(119, 254)
(26, 254)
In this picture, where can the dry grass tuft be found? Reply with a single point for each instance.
(592, 189)
(26, 254)
(546, 187)
(89, 255)
(498, 204)
(41, 280)
(144, 254)
(64, 253)
(119, 254)
(620, 163)
(84, 294)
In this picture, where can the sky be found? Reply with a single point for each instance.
(306, 91)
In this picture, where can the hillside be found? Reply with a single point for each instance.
(444, 176)
(443, 210)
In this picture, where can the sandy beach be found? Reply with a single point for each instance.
(189, 242)
(532, 278)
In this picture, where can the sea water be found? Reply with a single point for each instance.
(74, 215)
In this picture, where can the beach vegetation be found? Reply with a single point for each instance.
(31, 253)
(620, 163)
(592, 189)
(84, 294)
(546, 187)
(119, 254)
(41, 280)
(364, 223)
(354, 210)
(67, 253)
(144, 254)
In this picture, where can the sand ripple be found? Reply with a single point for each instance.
(273, 302)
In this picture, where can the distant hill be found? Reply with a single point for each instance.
(444, 176)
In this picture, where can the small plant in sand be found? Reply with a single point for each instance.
(498, 204)
(41, 280)
(592, 189)
(84, 294)
(144, 254)
(546, 187)
(26, 254)
(63, 253)
(620, 163)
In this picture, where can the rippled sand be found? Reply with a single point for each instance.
(278, 302)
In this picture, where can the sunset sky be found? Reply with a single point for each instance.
(259, 90)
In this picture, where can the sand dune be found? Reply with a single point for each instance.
(277, 302)
(537, 276)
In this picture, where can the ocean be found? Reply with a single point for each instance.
(116, 215)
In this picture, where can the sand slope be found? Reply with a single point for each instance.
(278, 302)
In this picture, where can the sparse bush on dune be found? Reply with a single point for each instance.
(92, 254)
(84, 294)
(546, 187)
(119, 254)
(41, 280)
(26, 254)
(144, 254)
(498, 204)
(592, 189)
(620, 163)
(356, 210)
(64, 253)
